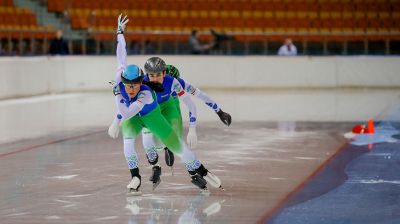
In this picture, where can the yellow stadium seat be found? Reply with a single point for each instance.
(143, 13)
(224, 14)
(173, 14)
(324, 15)
(347, 15)
(290, 15)
(359, 15)
(247, 14)
(106, 12)
(268, 14)
(203, 14)
(394, 30)
(214, 14)
(280, 14)
(116, 12)
(234, 14)
(193, 14)
(301, 14)
(396, 15)
(384, 15)
(372, 15)
(258, 14)
(336, 15)
(154, 13)
(184, 14)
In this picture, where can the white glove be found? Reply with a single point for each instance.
(192, 137)
(113, 130)
(121, 24)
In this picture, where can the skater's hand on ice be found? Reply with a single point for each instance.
(192, 137)
(113, 130)
(122, 21)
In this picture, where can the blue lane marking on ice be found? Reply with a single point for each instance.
(359, 186)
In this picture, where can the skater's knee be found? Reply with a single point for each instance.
(152, 157)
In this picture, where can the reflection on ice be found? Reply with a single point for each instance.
(164, 210)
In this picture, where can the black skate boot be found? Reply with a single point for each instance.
(169, 159)
(134, 184)
(203, 174)
(155, 177)
(199, 181)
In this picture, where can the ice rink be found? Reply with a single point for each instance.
(283, 160)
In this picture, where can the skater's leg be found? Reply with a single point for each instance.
(130, 153)
(161, 129)
(169, 156)
(149, 145)
(130, 129)
(159, 126)
(173, 116)
(150, 141)
(177, 105)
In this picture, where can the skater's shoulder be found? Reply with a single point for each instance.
(168, 78)
(145, 87)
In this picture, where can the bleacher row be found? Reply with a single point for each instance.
(249, 19)
(278, 5)
(20, 23)
(322, 19)
(17, 18)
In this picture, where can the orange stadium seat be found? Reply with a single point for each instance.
(331, 17)
(55, 6)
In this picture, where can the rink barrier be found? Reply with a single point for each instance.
(29, 76)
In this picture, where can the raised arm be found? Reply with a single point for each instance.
(121, 51)
(121, 47)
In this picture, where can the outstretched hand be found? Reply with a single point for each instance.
(122, 21)
(225, 117)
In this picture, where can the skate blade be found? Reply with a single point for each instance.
(205, 192)
(213, 180)
(212, 209)
(134, 193)
(172, 170)
(156, 184)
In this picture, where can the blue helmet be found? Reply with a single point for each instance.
(132, 74)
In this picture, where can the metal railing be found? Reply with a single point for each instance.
(16, 42)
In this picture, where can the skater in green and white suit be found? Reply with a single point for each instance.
(158, 72)
(137, 108)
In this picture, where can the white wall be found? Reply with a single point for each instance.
(21, 77)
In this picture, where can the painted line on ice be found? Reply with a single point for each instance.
(47, 143)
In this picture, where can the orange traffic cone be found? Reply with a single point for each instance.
(370, 127)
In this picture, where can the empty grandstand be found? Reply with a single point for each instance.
(317, 27)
